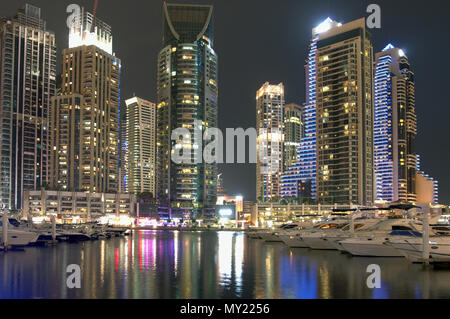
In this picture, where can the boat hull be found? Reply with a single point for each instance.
(271, 238)
(77, 237)
(293, 241)
(336, 243)
(369, 248)
(254, 235)
(413, 250)
(20, 238)
(318, 243)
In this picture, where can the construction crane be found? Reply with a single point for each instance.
(94, 13)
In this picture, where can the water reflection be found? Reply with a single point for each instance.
(158, 264)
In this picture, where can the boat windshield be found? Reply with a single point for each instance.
(291, 226)
(401, 227)
(14, 222)
(409, 233)
(389, 225)
(333, 226)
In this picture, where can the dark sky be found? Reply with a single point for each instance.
(267, 40)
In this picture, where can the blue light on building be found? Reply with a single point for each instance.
(383, 124)
(305, 169)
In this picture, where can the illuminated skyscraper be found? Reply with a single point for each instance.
(344, 102)
(269, 125)
(293, 133)
(397, 166)
(395, 127)
(27, 83)
(304, 170)
(140, 157)
(187, 94)
(91, 70)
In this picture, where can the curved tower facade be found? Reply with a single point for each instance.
(395, 127)
(187, 96)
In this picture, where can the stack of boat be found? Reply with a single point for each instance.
(22, 234)
(368, 237)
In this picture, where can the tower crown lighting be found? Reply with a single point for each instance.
(88, 30)
(325, 26)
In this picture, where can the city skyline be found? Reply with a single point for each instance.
(235, 152)
(294, 88)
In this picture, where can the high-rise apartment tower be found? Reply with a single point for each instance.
(187, 98)
(27, 83)
(92, 71)
(140, 157)
(344, 102)
(269, 125)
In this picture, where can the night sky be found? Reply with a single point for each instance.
(267, 40)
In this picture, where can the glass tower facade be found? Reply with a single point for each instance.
(27, 83)
(293, 133)
(187, 97)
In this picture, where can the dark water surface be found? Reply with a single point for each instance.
(163, 264)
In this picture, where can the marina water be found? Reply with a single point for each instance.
(192, 265)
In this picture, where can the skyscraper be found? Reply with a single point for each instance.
(269, 125)
(395, 127)
(344, 100)
(27, 83)
(293, 133)
(187, 94)
(303, 171)
(397, 166)
(140, 157)
(91, 70)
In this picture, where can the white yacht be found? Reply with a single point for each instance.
(77, 233)
(372, 241)
(44, 231)
(18, 237)
(412, 248)
(295, 239)
(274, 236)
(328, 238)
